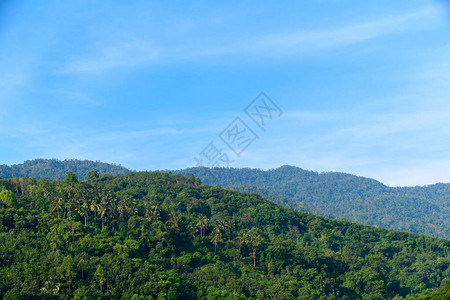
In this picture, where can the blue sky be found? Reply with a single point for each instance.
(363, 85)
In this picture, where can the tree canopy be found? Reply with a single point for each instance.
(338, 195)
(154, 235)
(57, 169)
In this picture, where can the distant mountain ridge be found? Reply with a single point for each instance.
(56, 169)
(420, 209)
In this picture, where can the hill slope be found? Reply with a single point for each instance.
(57, 169)
(338, 195)
(154, 235)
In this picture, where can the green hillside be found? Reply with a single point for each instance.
(57, 169)
(154, 235)
(424, 210)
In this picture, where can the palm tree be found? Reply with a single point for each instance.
(220, 226)
(151, 211)
(57, 205)
(147, 212)
(174, 220)
(155, 214)
(253, 240)
(113, 210)
(216, 236)
(127, 206)
(202, 223)
(48, 194)
(94, 207)
(84, 209)
(122, 209)
(240, 238)
(105, 198)
(229, 225)
(69, 189)
(83, 206)
(102, 211)
(69, 204)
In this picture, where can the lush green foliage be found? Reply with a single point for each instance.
(57, 169)
(442, 294)
(366, 201)
(155, 235)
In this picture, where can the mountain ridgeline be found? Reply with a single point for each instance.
(422, 210)
(57, 169)
(417, 209)
(156, 235)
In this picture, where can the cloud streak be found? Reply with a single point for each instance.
(144, 52)
(398, 148)
(346, 35)
(127, 54)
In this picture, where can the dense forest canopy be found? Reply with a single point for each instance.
(57, 169)
(338, 195)
(155, 235)
(362, 200)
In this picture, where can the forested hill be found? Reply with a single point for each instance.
(57, 169)
(423, 210)
(154, 235)
(337, 195)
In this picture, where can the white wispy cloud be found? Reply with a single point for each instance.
(424, 172)
(112, 145)
(303, 41)
(398, 148)
(311, 40)
(400, 139)
(11, 81)
(390, 124)
(144, 52)
(396, 128)
(429, 79)
(318, 116)
(121, 137)
(127, 54)
(71, 96)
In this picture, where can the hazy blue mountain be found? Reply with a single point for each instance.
(57, 169)
(363, 200)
